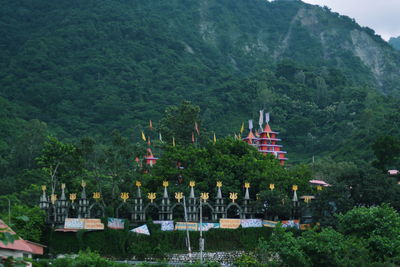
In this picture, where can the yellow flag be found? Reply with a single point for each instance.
(242, 128)
(215, 139)
(173, 141)
(143, 136)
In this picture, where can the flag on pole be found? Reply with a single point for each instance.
(143, 136)
(173, 141)
(261, 119)
(250, 125)
(150, 125)
(192, 137)
(242, 128)
(141, 230)
(215, 138)
(148, 141)
(267, 117)
(196, 127)
(160, 137)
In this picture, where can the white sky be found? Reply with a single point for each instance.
(383, 16)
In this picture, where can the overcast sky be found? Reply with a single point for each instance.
(381, 15)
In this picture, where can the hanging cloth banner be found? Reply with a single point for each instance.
(229, 223)
(144, 230)
(191, 226)
(208, 226)
(165, 225)
(261, 119)
(115, 223)
(248, 223)
(271, 224)
(291, 224)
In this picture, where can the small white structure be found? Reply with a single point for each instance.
(19, 248)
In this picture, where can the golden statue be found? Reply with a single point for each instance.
(138, 184)
(204, 196)
(165, 183)
(294, 187)
(246, 185)
(219, 184)
(233, 196)
(97, 195)
(178, 196)
(72, 197)
(192, 183)
(53, 198)
(124, 196)
(151, 196)
(271, 186)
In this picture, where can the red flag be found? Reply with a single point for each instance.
(196, 127)
(151, 125)
(192, 137)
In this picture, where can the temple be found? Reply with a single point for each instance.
(266, 143)
(150, 159)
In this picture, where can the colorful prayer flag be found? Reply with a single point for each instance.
(143, 136)
(242, 128)
(215, 139)
(141, 230)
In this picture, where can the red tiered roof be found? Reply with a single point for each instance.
(150, 159)
(267, 143)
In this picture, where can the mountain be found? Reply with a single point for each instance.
(395, 42)
(88, 67)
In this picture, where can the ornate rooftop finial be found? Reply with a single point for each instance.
(124, 196)
(178, 196)
(204, 196)
(151, 196)
(72, 197)
(233, 196)
(247, 195)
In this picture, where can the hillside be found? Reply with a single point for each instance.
(395, 42)
(88, 67)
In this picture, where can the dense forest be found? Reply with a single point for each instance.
(395, 42)
(81, 80)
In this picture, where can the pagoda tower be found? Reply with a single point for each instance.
(267, 142)
(150, 159)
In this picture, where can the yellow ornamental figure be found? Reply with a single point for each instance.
(192, 183)
(62, 186)
(124, 196)
(96, 195)
(165, 183)
(307, 199)
(151, 196)
(219, 184)
(83, 183)
(53, 198)
(271, 186)
(247, 185)
(178, 196)
(319, 188)
(72, 197)
(138, 184)
(44, 188)
(294, 187)
(204, 196)
(233, 197)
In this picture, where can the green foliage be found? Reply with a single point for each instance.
(378, 226)
(27, 222)
(395, 42)
(247, 261)
(387, 152)
(118, 243)
(84, 259)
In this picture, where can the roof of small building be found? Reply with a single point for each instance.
(20, 244)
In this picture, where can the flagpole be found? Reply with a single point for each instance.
(187, 230)
(201, 241)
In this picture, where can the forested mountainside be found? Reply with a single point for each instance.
(88, 67)
(395, 42)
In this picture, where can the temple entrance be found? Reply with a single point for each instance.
(123, 211)
(233, 211)
(207, 212)
(96, 211)
(178, 212)
(151, 212)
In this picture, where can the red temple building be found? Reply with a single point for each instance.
(150, 159)
(267, 142)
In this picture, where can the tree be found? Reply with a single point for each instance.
(387, 151)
